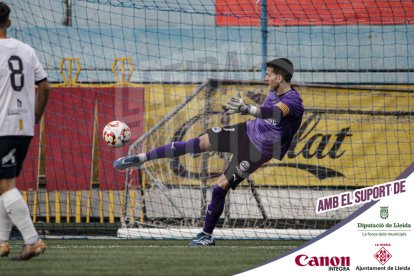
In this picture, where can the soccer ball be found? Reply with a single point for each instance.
(116, 134)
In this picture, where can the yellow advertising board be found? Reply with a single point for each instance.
(348, 137)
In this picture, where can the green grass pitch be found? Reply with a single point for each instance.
(144, 257)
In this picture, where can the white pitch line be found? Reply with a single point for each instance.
(163, 247)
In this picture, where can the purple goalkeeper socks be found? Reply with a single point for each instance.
(175, 149)
(215, 208)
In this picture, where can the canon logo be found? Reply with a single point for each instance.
(304, 260)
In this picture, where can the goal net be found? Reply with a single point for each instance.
(164, 68)
(343, 144)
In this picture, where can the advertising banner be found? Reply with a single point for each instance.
(347, 138)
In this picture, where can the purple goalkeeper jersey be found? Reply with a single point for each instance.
(272, 138)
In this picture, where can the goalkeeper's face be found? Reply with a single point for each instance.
(273, 79)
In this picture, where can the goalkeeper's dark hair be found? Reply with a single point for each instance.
(4, 14)
(282, 66)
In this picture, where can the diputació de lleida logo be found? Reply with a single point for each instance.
(384, 212)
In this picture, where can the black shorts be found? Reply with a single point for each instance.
(13, 151)
(246, 158)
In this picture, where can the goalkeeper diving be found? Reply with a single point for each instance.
(252, 143)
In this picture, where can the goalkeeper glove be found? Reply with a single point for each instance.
(236, 105)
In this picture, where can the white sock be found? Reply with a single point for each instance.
(19, 214)
(5, 223)
(142, 157)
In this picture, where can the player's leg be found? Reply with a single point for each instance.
(213, 213)
(6, 171)
(14, 151)
(223, 139)
(230, 179)
(170, 150)
(5, 229)
(246, 159)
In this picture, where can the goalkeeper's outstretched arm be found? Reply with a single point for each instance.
(236, 105)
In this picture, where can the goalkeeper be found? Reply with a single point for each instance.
(252, 143)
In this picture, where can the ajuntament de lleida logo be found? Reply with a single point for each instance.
(384, 212)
